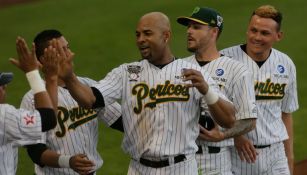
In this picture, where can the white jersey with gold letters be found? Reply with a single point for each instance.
(235, 81)
(275, 90)
(76, 130)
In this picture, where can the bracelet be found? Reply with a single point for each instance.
(63, 161)
(211, 97)
(35, 81)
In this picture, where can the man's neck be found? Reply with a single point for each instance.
(164, 59)
(258, 57)
(207, 53)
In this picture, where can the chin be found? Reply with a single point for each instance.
(191, 49)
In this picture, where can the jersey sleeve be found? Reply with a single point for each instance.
(244, 96)
(27, 101)
(111, 86)
(290, 100)
(22, 127)
(110, 113)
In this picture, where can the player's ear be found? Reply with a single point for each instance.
(167, 36)
(280, 35)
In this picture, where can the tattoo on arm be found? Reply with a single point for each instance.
(241, 127)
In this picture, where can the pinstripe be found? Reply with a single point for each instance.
(235, 82)
(81, 138)
(270, 128)
(168, 128)
(14, 132)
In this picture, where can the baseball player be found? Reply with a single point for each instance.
(20, 127)
(276, 97)
(160, 100)
(203, 29)
(74, 139)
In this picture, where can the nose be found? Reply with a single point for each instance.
(189, 30)
(257, 36)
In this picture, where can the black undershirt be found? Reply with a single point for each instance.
(203, 63)
(163, 65)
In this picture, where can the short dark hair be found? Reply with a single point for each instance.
(42, 40)
(269, 11)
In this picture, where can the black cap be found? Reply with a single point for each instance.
(203, 15)
(5, 78)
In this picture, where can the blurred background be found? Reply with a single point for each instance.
(102, 35)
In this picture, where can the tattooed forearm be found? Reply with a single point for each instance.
(241, 127)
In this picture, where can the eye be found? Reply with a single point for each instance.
(265, 33)
(253, 30)
(147, 33)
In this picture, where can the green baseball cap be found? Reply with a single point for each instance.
(203, 15)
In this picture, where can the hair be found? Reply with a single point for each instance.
(269, 11)
(42, 40)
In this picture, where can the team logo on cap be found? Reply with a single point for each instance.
(134, 71)
(219, 72)
(219, 20)
(280, 69)
(196, 9)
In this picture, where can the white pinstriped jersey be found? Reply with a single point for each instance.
(276, 92)
(235, 81)
(18, 127)
(160, 114)
(76, 130)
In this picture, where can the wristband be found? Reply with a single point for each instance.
(64, 161)
(211, 97)
(35, 81)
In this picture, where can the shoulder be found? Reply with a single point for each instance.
(189, 58)
(184, 63)
(231, 51)
(6, 108)
(282, 57)
(86, 80)
(231, 63)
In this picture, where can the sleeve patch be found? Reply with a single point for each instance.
(28, 119)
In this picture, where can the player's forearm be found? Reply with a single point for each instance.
(81, 93)
(240, 127)
(223, 113)
(52, 89)
(50, 158)
(287, 119)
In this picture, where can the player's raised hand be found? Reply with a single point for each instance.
(245, 149)
(50, 62)
(65, 61)
(80, 164)
(197, 80)
(27, 60)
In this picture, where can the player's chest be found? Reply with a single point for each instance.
(154, 78)
(271, 82)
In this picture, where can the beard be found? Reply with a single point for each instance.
(191, 49)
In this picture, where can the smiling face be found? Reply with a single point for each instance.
(262, 33)
(152, 35)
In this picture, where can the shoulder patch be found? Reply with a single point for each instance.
(28, 119)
